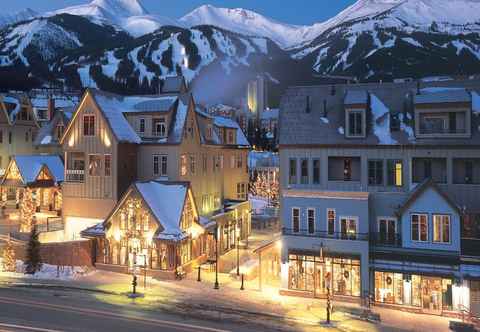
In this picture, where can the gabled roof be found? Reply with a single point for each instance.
(46, 135)
(230, 124)
(11, 105)
(30, 166)
(418, 191)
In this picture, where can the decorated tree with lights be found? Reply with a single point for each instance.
(33, 260)
(27, 212)
(266, 187)
(9, 261)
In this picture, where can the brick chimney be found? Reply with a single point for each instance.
(51, 107)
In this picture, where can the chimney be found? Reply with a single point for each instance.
(51, 107)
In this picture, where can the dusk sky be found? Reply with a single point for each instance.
(294, 12)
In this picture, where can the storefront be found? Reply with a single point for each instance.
(429, 294)
(318, 275)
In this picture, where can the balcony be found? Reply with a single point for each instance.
(387, 240)
(75, 175)
(327, 235)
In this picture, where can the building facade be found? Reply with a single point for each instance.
(113, 141)
(376, 182)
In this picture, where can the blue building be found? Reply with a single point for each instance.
(380, 185)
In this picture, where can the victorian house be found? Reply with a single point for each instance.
(113, 141)
(377, 183)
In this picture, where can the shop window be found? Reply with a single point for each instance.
(296, 220)
(419, 225)
(441, 228)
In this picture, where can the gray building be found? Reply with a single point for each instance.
(377, 181)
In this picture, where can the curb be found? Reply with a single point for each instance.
(56, 287)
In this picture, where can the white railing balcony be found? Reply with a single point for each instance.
(75, 175)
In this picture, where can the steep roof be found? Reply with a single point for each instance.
(46, 135)
(220, 121)
(30, 166)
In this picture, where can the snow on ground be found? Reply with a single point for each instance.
(85, 78)
(381, 121)
(48, 272)
(412, 41)
(142, 69)
(111, 68)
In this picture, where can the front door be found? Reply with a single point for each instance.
(432, 295)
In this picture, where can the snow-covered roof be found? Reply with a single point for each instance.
(173, 84)
(221, 121)
(95, 230)
(263, 159)
(15, 101)
(442, 95)
(356, 97)
(46, 135)
(30, 166)
(166, 201)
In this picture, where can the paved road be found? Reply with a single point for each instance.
(54, 311)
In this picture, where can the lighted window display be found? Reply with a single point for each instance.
(313, 274)
(429, 293)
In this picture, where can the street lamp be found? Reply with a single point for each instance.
(238, 255)
(216, 286)
(328, 282)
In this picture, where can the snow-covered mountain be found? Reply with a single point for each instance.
(128, 15)
(23, 15)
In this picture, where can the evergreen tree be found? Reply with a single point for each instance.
(33, 261)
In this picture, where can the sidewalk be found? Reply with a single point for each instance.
(190, 297)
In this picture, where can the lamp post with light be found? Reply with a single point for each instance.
(216, 286)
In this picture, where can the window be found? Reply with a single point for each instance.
(231, 139)
(427, 168)
(348, 227)
(239, 161)
(9, 137)
(331, 221)
(316, 171)
(468, 171)
(160, 165)
(108, 165)
(241, 191)
(183, 165)
(419, 224)
(94, 165)
(60, 131)
(441, 228)
(209, 131)
(311, 221)
(232, 161)
(141, 126)
(304, 171)
(205, 163)
(355, 123)
(1, 136)
(394, 173)
(159, 127)
(192, 164)
(434, 123)
(347, 169)
(430, 168)
(296, 220)
(292, 179)
(89, 125)
(386, 231)
(375, 172)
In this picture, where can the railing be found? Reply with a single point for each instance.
(75, 175)
(326, 235)
(52, 224)
(435, 131)
(382, 239)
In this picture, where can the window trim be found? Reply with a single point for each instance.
(83, 125)
(395, 162)
(101, 168)
(140, 125)
(380, 218)
(290, 176)
(419, 229)
(314, 220)
(105, 164)
(362, 112)
(299, 219)
(319, 171)
(449, 228)
(349, 218)
(334, 220)
(382, 176)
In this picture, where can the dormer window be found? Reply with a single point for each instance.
(231, 138)
(355, 122)
(159, 127)
(60, 130)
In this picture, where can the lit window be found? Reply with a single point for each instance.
(183, 165)
(94, 165)
(192, 164)
(441, 228)
(159, 127)
(141, 126)
(89, 125)
(394, 173)
(331, 221)
(348, 228)
(311, 221)
(419, 224)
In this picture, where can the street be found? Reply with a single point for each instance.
(48, 311)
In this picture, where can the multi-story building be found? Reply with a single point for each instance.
(376, 181)
(113, 141)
